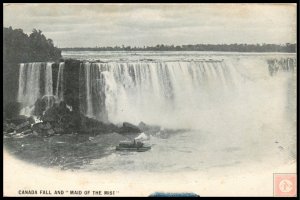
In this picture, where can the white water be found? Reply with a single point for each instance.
(60, 82)
(88, 90)
(48, 85)
(252, 128)
(243, 118)
(31, 77)
(29, 83)
(178, 94)
(191, 92)
(108, 56)
(142, 91)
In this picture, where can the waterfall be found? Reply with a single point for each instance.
(281, 65)
(22, 82)
(48, 85)
(29, 83)
(154, 91)
(60, 82)
(87, 69)
(147, 91)
(35, 81)
(93, 91)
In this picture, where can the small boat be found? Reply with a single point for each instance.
(132, 146)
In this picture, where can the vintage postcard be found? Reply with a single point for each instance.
(149, 100)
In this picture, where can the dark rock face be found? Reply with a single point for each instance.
(58, 115)
(19, 124)
(71, 81)
(23, 127)
(58, 120)
(12, 110)
(63, 120)
(90, 125)
(39, 107)
(20, 119)
(49, 99)
(43, 129)
(148, 128)
(41, 104)
(129, 128)
(143, 126)
(55, 113)
(10, 82)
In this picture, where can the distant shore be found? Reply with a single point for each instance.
(289, 48)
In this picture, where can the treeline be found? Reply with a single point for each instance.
(198, 47)
(19, 47)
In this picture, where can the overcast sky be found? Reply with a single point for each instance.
(71, 25)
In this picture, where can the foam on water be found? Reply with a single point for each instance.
(237, 112)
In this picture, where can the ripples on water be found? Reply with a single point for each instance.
(252, 128)
(107, 56)
(184, 151)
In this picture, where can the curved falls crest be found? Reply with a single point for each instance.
(157, 92)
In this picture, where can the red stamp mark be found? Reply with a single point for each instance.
(285, 185)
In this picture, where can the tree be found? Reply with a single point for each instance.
(19, 47)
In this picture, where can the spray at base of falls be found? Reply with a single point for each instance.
(36, 82)
(238, 107)
(151, 91)
(173, 94)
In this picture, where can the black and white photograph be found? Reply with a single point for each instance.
(151, 99)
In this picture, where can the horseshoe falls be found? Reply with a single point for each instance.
(172, 90)
(236, 106)
(164, 93)
(213, 110)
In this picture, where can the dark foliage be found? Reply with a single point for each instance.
(11, 110)
(197, 47)
(18, 47)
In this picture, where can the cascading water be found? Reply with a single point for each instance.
(29, 83)
(93, 102)
(35, 81)
(171, 93)
(48, 85)
(87, 70)
(152, 91)
(239, 108)
(60, 82)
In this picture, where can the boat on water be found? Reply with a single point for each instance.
(132, 146)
